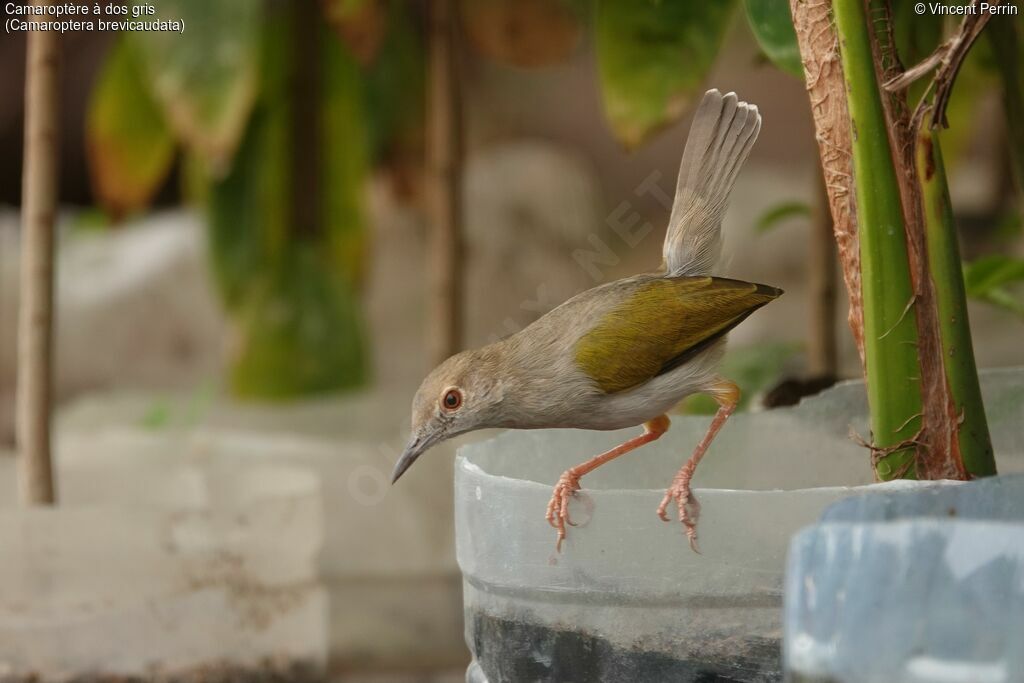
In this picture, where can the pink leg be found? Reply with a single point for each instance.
(727, 395)
(569, 483)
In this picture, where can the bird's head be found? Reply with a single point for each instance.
(462, 394)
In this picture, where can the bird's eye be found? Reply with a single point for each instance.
(452, 399)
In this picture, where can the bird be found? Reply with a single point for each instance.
(624, 353)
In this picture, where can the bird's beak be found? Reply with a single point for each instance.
(417, 446)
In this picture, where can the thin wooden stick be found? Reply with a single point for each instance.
(444, 159)
(35, 324)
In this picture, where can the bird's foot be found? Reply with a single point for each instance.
(686, 503)
(558, 507)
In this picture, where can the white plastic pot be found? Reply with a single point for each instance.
(626, 599)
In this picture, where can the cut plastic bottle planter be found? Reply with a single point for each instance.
(926, 578)
(626, 599)
(163, 566)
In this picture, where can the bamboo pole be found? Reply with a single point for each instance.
(950, 391)
(969, 433)
(35, 323)
(890, 318)
(444, 161)
(897, 242)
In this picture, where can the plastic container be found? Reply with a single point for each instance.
(927, 579)
(626, 599)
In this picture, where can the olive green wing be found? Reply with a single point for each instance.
(663, 323)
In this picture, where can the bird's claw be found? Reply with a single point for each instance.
(687, 505)
(558, 507)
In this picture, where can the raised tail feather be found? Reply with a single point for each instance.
(721, 136)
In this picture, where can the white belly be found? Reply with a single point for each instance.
(656, 397)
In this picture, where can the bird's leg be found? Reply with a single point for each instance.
(569, 483)
(727, 395)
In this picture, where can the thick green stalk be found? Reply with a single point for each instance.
(890, 328)
(947, 274)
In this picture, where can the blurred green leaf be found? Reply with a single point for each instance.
(294, 297)
(345, 162)
(780, 213)
(248, 210)
(301, 331)
(989, 279)
(652, 58)
(90, 219)
(194, 180)
(205, 79)
(754, 368)
(526, 33)
(157, 416)
(1007, 42)
(180, 412)
(1009, 227)
(917, 36)
(996, 270)
(972, 84)
(772, 24)
(128, 144)
(395, 89)
(361, 24)
(1006, 300)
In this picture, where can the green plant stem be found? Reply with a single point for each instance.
(947, 273)
(890, 328)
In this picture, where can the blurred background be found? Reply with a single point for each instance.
(249, 245)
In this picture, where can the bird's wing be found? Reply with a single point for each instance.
(661, 324)
(721, 136)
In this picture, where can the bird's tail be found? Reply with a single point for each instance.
(721, 136)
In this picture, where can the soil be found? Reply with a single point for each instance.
(513, 651)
